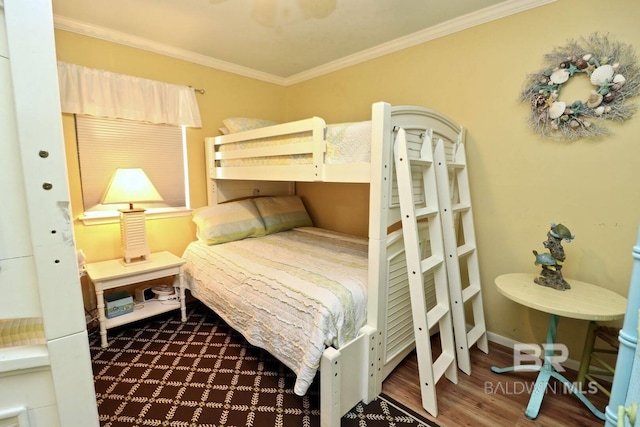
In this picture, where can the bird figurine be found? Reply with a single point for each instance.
(560, 231)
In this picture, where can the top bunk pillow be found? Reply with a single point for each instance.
(282, 213)
(240, 124)
(227, 222)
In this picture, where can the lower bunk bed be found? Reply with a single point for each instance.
(354, 362)
(298, 292)
(292, 293)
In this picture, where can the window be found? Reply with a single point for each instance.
(107, 144)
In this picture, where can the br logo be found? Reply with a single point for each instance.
(529, 354)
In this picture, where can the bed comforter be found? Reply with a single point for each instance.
(292, 293)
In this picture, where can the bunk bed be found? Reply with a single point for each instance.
(269, 160)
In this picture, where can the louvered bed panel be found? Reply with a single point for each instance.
(398, 325)
(414, 142)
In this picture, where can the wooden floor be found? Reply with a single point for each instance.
(489, 399)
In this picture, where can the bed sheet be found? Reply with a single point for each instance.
(292, 293)
(345, 143)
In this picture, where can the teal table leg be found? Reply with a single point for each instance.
(546, 372)
(576, 392)
(537, 393)
(540, 387)
(521, 368)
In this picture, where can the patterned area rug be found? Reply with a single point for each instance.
(162, 372)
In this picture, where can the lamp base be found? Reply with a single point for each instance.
(134, 261)
(133, 237)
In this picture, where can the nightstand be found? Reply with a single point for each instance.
(113, 274)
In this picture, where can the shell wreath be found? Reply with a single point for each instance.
(611, 68)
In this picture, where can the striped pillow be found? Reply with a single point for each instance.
(228, 221)
(282, 213)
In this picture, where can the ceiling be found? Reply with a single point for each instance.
(283, 41)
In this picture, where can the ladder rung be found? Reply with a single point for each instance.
(465, 249)
(430, 263)
(457, 165)
(470, 292)
(474, 334)
(460, 207)
(441, 364)
(420, 161)
(436, 314)
(425, 212)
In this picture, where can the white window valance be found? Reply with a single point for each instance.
(102, 93)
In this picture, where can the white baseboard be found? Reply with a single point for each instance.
(510, 343)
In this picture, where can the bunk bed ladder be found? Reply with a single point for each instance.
(418, 175)
(460, 245)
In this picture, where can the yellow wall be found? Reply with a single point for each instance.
(520, 182)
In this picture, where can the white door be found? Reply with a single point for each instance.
(48, 383)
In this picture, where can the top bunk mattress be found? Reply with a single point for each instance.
(346, 143)
(292, 293)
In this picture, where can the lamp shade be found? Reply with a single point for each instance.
(130, 186)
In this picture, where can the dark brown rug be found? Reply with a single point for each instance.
(162, 372)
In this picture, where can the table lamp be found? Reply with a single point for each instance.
(132, 186)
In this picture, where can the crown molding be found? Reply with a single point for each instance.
(480, 17)
(483, 16)
(106, 34)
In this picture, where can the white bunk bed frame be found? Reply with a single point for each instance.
(354, 372)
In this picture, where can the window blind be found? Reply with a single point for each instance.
(106, 144)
